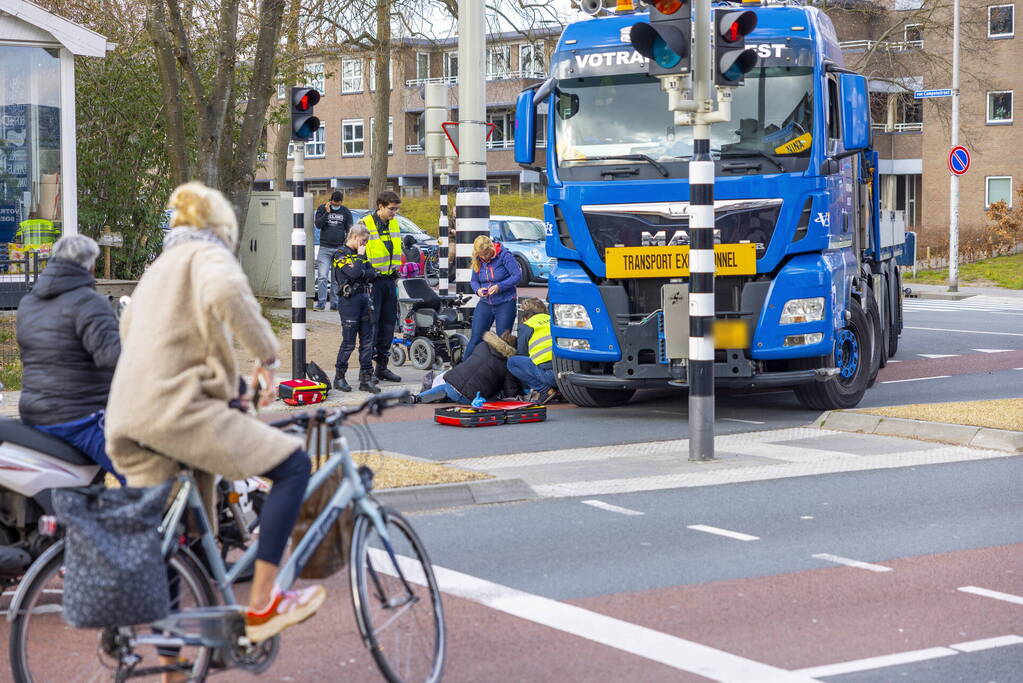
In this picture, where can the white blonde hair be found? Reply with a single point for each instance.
(203, 208)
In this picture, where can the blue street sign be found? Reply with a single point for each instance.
(959, 160)
(921, 94)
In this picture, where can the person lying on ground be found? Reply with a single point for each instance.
(485, 372)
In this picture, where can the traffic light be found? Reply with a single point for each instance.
(667, 39)
(731, 58)
(303, 123)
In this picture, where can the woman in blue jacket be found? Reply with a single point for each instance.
(494, 276)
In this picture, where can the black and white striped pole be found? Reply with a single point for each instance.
(442, 237)
(472, 203)
(298, 264)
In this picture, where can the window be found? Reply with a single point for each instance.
(834, 128)
(999, 189)
(531, 59)
(422, 65)
(908, 112)
(351, 75)
(500, 186)
(502, 130)
(352, 138)
(314, 76)
(1000, 21)
(316, 146)
(372, 75)
(498, 59)
(541, 130)
(451, 65)
(999, 107)
(913, 33)
(390, 135)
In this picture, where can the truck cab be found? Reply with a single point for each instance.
(807, 292)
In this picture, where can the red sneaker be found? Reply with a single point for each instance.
(286, 609)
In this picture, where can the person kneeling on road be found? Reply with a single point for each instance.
(533, 366)
(484, 372)
(353, 277)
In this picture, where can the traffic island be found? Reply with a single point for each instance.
(993, 424)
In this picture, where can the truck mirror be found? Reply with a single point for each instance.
(525, 128)
(855, 112)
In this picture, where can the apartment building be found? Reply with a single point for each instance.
(340, 153)
(905, 46)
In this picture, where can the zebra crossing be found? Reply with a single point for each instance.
(979, 304)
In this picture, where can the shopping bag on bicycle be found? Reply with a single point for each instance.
(331, 555)
(114, 571)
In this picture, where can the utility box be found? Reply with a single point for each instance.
(265, 249)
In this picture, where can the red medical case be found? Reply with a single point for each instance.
(467, 416)
(300, 392)
(517, 412)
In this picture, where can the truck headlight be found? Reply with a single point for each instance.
(572, 315)
(573, 344)
(802, 310)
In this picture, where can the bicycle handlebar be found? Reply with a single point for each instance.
(374, 404)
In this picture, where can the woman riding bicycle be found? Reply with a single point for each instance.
(169, 398)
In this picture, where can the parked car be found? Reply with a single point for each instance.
(524, 237)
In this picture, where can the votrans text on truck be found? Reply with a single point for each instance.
(807, 292)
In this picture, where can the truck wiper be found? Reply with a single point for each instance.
(754, 152)
(632, 157)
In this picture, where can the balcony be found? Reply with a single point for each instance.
(881, 46)
(898, 127)
(416, 82)
(503, 76)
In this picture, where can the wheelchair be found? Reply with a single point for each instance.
(430, 330)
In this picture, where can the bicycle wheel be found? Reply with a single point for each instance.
(44, 648)
(401, 621)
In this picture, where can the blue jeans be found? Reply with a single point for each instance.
(446, 390)
(484, 316)
(531, 374)
(86, 434)
(324, 281)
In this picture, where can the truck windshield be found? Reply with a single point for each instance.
(604, 116)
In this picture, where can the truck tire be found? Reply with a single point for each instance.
(895, 326)
(853, 357)
(878, 341)
(527, 275)
(587, 397)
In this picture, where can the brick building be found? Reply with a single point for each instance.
(339, 155)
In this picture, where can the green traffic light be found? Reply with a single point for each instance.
(665, 57)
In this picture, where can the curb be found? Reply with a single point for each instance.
(437, 496)
(959, 435)
(947, 296)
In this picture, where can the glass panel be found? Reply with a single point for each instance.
(999, 190)
(526, 230)
(999, 106)
(999, 20)
(351, 75)
(30, 170)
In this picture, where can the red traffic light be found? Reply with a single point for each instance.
(668, 6)
(304, 99)
(734, 26)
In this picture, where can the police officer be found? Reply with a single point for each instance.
(333, 220)
(384, 253)
(352, 277)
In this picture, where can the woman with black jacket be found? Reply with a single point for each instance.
(353, 277)
(484, 372)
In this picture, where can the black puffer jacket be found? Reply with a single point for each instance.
(485, 371)
(69, 346)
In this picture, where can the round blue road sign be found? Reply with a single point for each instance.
(959, 160)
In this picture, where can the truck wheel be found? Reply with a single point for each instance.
(853, 358)
(587, 397)
(526, 274)
(878, 340)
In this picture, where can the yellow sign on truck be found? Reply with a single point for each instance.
(630, 262)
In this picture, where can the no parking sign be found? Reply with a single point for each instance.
(959, 160)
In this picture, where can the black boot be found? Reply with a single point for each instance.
(341, 384)
(385, 375)
(366, 383)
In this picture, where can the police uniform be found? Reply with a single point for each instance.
(383, 251)
(353, 277)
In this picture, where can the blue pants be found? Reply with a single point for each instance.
(356, 321)
(280, 510)
(447, 390)
(484, 316)
(531, 374)
(86, 434)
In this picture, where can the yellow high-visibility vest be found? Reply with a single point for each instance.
(541, 347)
(376, 250)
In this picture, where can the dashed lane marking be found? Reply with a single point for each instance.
(932, 356)
(838, 559)
(1007, 597)
(913, 379)
(601, 505)
(748, 422)
(945, 329)
(737, 535)
(991, 350)
(681, 654)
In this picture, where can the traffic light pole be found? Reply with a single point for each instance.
(298, 264)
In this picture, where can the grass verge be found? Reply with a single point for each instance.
(1001, 271)
(1006, 413)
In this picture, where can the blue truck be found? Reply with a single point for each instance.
(808, 293)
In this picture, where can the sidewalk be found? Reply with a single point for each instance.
(923, 291)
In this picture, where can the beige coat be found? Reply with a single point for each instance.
(177, 371)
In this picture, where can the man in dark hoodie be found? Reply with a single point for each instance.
(333, 220)
(69, 344)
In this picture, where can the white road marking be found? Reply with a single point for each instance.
(987, 643)
(914, 379)
(892, 360)
(739, 536)
(611, 508)
(735, 419)
(877, 662)
(669, 650)
(932, 356)
(944, 329)
(1007, 597)
(852, 563)
(991, 350)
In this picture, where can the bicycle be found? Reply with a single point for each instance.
(391, 579)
